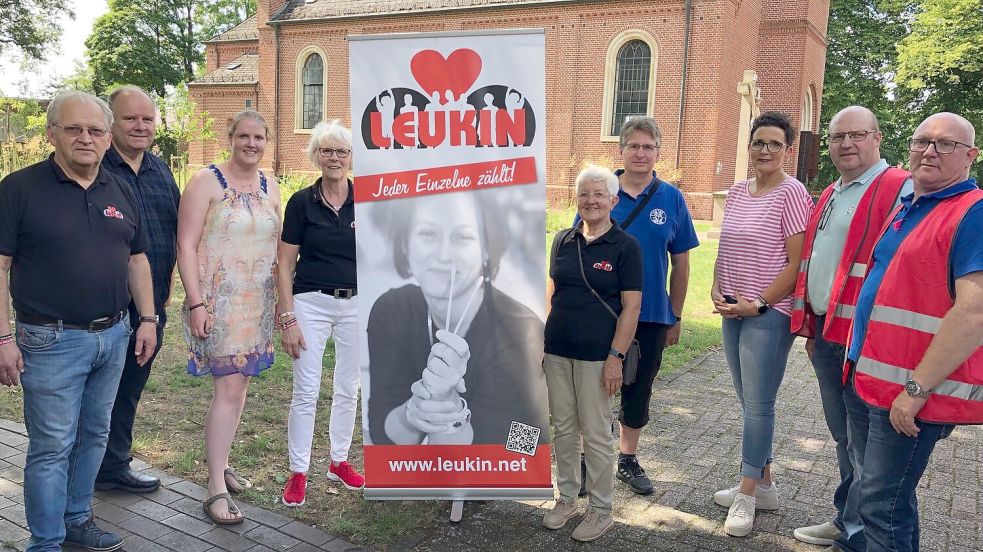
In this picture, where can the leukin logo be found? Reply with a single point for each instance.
(445, 111)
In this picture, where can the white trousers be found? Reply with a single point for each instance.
(318, 317)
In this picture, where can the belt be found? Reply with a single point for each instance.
(96, 325)
(339, 293)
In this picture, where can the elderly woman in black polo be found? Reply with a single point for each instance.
(585, 344)
(317, 300)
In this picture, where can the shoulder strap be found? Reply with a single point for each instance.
(262, 181)
(638, 208)
(219, 176)
(580, 255)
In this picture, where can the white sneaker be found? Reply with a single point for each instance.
(767, 497)
(822, 534)
(740, 517)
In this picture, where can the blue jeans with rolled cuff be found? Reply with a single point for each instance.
(757, 351)
(70, 380)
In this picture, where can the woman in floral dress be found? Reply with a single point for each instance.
(228, 224)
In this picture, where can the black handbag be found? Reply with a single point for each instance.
(629, 366)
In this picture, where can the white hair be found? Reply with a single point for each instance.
(53, 115)
(327, 131)
(593, 173)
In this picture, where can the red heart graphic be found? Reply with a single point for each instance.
(456, 73)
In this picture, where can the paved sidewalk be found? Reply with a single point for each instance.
(169, 519)
(690, 450)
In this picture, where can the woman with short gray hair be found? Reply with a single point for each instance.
(594, 296)
(317, 300)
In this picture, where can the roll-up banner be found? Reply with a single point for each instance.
(449, 162)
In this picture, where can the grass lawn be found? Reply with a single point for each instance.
(170, 427)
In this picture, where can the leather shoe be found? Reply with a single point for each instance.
(128, 481)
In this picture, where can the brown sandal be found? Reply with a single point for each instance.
(236, 483)
(233, 509)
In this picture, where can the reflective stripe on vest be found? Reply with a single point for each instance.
(844, 311)
(906, 319)
(900, 376)
(858, 270)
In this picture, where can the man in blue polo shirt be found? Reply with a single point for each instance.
(654, 212)
(893, 433)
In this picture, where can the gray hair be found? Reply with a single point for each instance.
(247, 114)
(640, 124)
(129, 89)
(53, 115)
(327, 131)
(593, 173)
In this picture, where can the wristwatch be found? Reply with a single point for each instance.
(914, 389)
(761, 305)
(616, 353)
(155, 319)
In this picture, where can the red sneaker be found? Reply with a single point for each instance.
(295, 491)
(348, 476)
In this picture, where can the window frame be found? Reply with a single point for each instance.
(611, 76)
(301, 60)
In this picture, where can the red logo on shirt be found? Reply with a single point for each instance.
(112, 212)
(604, 265)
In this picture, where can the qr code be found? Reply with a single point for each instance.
(523, 438)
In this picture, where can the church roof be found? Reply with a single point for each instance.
(350, 9)
(242, 70)
(243, 31)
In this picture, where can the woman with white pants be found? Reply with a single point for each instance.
(318, 300)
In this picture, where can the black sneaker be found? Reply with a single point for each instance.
(583, 477)
(88, 535)
(631, 473)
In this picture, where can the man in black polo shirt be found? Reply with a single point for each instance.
(134, 126)
(72, 241)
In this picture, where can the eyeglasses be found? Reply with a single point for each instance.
(341, 153)
(942, 146)
(855, 136)
(74, 131)
(584, 197)
(647, 148)
(827, 213)
(773, 147)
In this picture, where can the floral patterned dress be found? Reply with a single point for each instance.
(236, 267)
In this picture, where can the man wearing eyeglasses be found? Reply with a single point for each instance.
(838, 242)
(914, 354)
(72, 240)
(655, 213)
(134, 128)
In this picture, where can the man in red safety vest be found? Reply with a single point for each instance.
(914, 353)
(838, 241)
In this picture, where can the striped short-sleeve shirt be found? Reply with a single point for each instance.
(752, 237)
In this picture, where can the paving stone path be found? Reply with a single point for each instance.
(690, 449)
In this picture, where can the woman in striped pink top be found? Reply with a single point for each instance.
(760, 243)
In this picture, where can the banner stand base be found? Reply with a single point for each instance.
(457, 510)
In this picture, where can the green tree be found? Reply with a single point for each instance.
(156, 44)
(186, 124)
(860, 61)
(940, 62)
(31, 26)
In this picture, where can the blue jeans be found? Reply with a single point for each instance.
(827, 360)
(757, 350)
(852, 538)
(70, 379)
(893, 464)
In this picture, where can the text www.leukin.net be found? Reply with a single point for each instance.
(466, 465)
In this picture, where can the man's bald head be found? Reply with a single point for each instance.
(854, 142)
(933, 170)
(857, 113)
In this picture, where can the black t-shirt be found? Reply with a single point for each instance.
(326, 240)
(504, 380)
(71, 246)
(579, 326)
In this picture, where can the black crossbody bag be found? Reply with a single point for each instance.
(629, 366)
